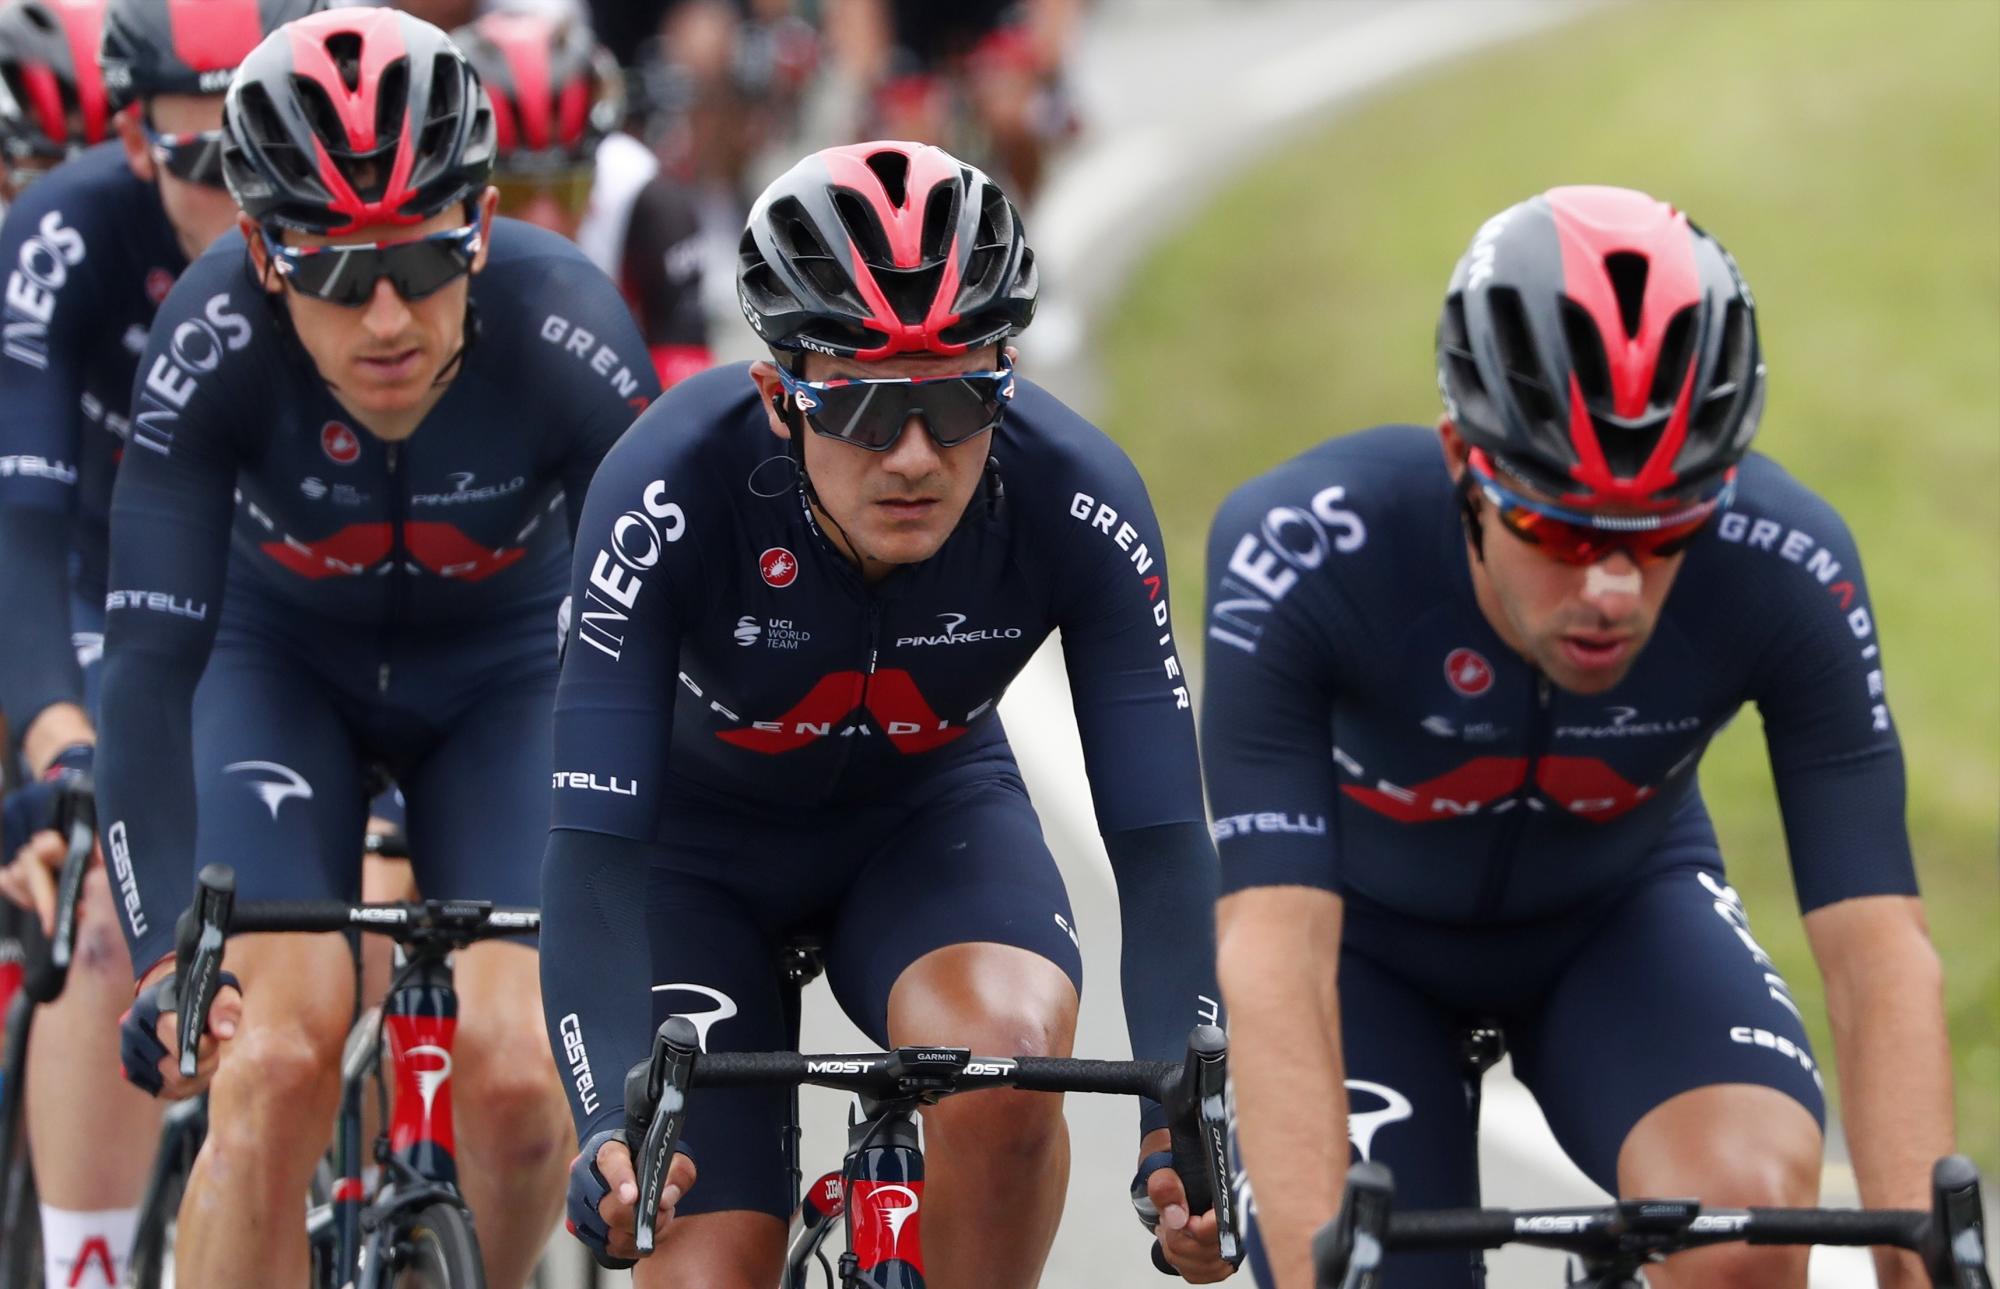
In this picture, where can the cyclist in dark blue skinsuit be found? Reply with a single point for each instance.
(777, 714)
(87, 254)
(1455, 702)
(345, 497)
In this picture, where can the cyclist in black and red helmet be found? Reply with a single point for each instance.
(52, 100)
(777, 713)
(86, 256)
(1519, 654)
(562, 164)
(401, 390)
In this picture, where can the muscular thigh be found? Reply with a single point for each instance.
(278, 781)
(966, 866)
(1672, 993)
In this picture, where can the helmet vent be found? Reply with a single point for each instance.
(1732, 376)
(1517, 355)
(1676, 352)
(37, 16)
(862, 226)
(1628, 282)
(940, 218)
(1461, 373)
(344, 48)
(1586, 354)
(893, 169)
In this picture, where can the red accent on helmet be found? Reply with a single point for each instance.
(45, 95)
(523, 40)
(83, 26)
(381, 44)
(214, 35)
(903, 224)
(1591, 224)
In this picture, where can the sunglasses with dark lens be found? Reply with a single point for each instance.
(346, 275)
(193, 158)
(1583, 538)
(871, 413)
(568, 189)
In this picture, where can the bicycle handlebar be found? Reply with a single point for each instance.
(1347, 1252)
(1192, 1092)
(214, 916)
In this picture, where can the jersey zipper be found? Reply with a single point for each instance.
(1500, 860)
(398, 558)
(874, 608)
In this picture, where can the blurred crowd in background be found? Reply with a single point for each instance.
(697, 104)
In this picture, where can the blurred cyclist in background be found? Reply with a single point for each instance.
(90, 250)
(558, 98)
(982, 77)
(52, 101)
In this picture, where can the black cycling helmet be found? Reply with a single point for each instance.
(556, 92)
(1602, 348)
(52, 100)
(184, 46)
(355, 117)
(876, 249)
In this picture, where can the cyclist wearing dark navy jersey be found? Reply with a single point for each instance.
(352, 435)
(1453, 715)
(87, 254)
(557, 100)
(800, 588)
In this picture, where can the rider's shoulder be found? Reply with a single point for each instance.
(1045, 443)
(1377, 473)
(528, 267)
(710, 418)
(1774, 515)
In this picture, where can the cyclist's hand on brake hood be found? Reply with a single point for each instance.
(604, 1191)
(1192, 1242)
(147, 1044)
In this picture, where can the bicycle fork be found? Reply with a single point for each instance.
(884, 1200)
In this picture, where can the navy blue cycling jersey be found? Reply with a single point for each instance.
(243, 465)
(721, 646)
(87, 255)
(1461, 785)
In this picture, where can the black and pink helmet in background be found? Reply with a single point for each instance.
(52, 99)
(154, 47)
(1602, 348)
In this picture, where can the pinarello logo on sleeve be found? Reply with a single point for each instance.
(1468, 672)
(339, 443)
(779, 567)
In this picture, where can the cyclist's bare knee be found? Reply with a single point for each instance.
(732, 1250)
(279, 1081)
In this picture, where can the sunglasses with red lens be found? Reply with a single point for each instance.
(192, 158)
(1582, 537)
(346, 275)
(871, 412)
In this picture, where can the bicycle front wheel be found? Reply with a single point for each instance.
(439, 1251)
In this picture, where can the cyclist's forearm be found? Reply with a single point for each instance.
(1885, 1002)
(1167, 886)
(596, 964)
(1278, 978)
(146, 794)
(38, 668)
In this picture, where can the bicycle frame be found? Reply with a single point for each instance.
(880, 1193)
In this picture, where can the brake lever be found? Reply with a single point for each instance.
(661, 1088)
(76, 816)
(1955, 1240)
(198, 939)
(1348, 1250)
(1198, 1122)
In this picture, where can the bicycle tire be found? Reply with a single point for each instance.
(443, 1252)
